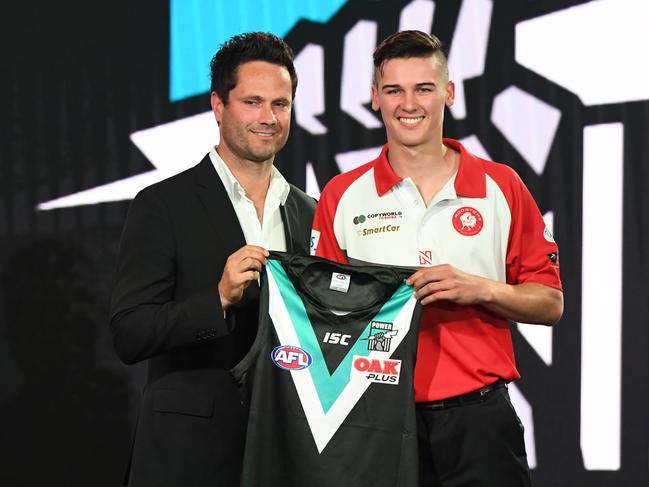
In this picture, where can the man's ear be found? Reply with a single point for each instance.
(450, 94)
(217, 106)
(375, 98)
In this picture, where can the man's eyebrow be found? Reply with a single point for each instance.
(418, 85)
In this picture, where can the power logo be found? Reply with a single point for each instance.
(382, 371)
(289, 357)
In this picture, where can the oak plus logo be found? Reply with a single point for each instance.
(378, 370)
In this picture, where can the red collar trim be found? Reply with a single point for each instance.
(470, 180)
(384, 176)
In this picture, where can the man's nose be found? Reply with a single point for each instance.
(408, 102)
(267, 114)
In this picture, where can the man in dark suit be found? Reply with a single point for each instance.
(186, 294)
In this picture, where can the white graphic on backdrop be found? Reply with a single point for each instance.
(601, 297)
(569, 58)
(529, 124)
(171, 148)
(310, 97)
(466, 58)
(417, 15)
(357, 73)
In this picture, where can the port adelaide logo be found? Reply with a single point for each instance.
(289, 357)
(380, 337)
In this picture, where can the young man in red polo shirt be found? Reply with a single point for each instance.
(484, 257)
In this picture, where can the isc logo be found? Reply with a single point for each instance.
(383, 371)
(336, 338)
(289, 357)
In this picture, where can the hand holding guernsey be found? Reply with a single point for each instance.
(484, 253)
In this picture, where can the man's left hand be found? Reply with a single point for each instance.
(445, 282)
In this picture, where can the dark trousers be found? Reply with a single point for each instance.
(476, 443)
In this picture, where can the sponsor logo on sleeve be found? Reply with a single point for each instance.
(315, 238)
(289, 357)
(547, 234)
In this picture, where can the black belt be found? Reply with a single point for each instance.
(469, 398)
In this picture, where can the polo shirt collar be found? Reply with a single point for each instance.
(469, 180)
(384, 176)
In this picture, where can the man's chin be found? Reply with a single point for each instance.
(261, 157)
(264, 154)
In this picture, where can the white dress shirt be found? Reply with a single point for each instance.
(269, 233)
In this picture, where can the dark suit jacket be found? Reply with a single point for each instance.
(165, 308)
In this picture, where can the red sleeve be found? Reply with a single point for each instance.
(532, 253)
(323, 236)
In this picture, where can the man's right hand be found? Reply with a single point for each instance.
(240, 270)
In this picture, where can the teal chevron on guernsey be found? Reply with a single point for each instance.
(330, 386)
(198, 27)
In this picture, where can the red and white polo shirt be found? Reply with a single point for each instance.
(483, 221)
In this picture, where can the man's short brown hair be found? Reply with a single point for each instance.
(407, 44)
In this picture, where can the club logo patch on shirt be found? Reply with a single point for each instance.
(380, 337)
(290, 357)
(467, 221)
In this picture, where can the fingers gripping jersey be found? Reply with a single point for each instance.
(329, 377)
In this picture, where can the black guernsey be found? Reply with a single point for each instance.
(329, 379)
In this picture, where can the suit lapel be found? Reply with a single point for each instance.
(218, 206)
(287, 211)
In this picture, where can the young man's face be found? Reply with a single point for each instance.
(411, 94)
(255, 123)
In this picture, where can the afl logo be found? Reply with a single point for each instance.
(467, 221)
(289, 357)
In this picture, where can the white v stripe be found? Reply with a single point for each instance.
(324, 425)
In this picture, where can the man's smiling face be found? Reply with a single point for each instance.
(255, 123)
(412, 94)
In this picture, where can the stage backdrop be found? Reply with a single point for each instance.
(100, 99)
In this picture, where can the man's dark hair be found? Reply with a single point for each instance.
(407, 44)
(243, 48)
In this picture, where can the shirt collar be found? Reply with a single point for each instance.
(279, 187)
(469, 180)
